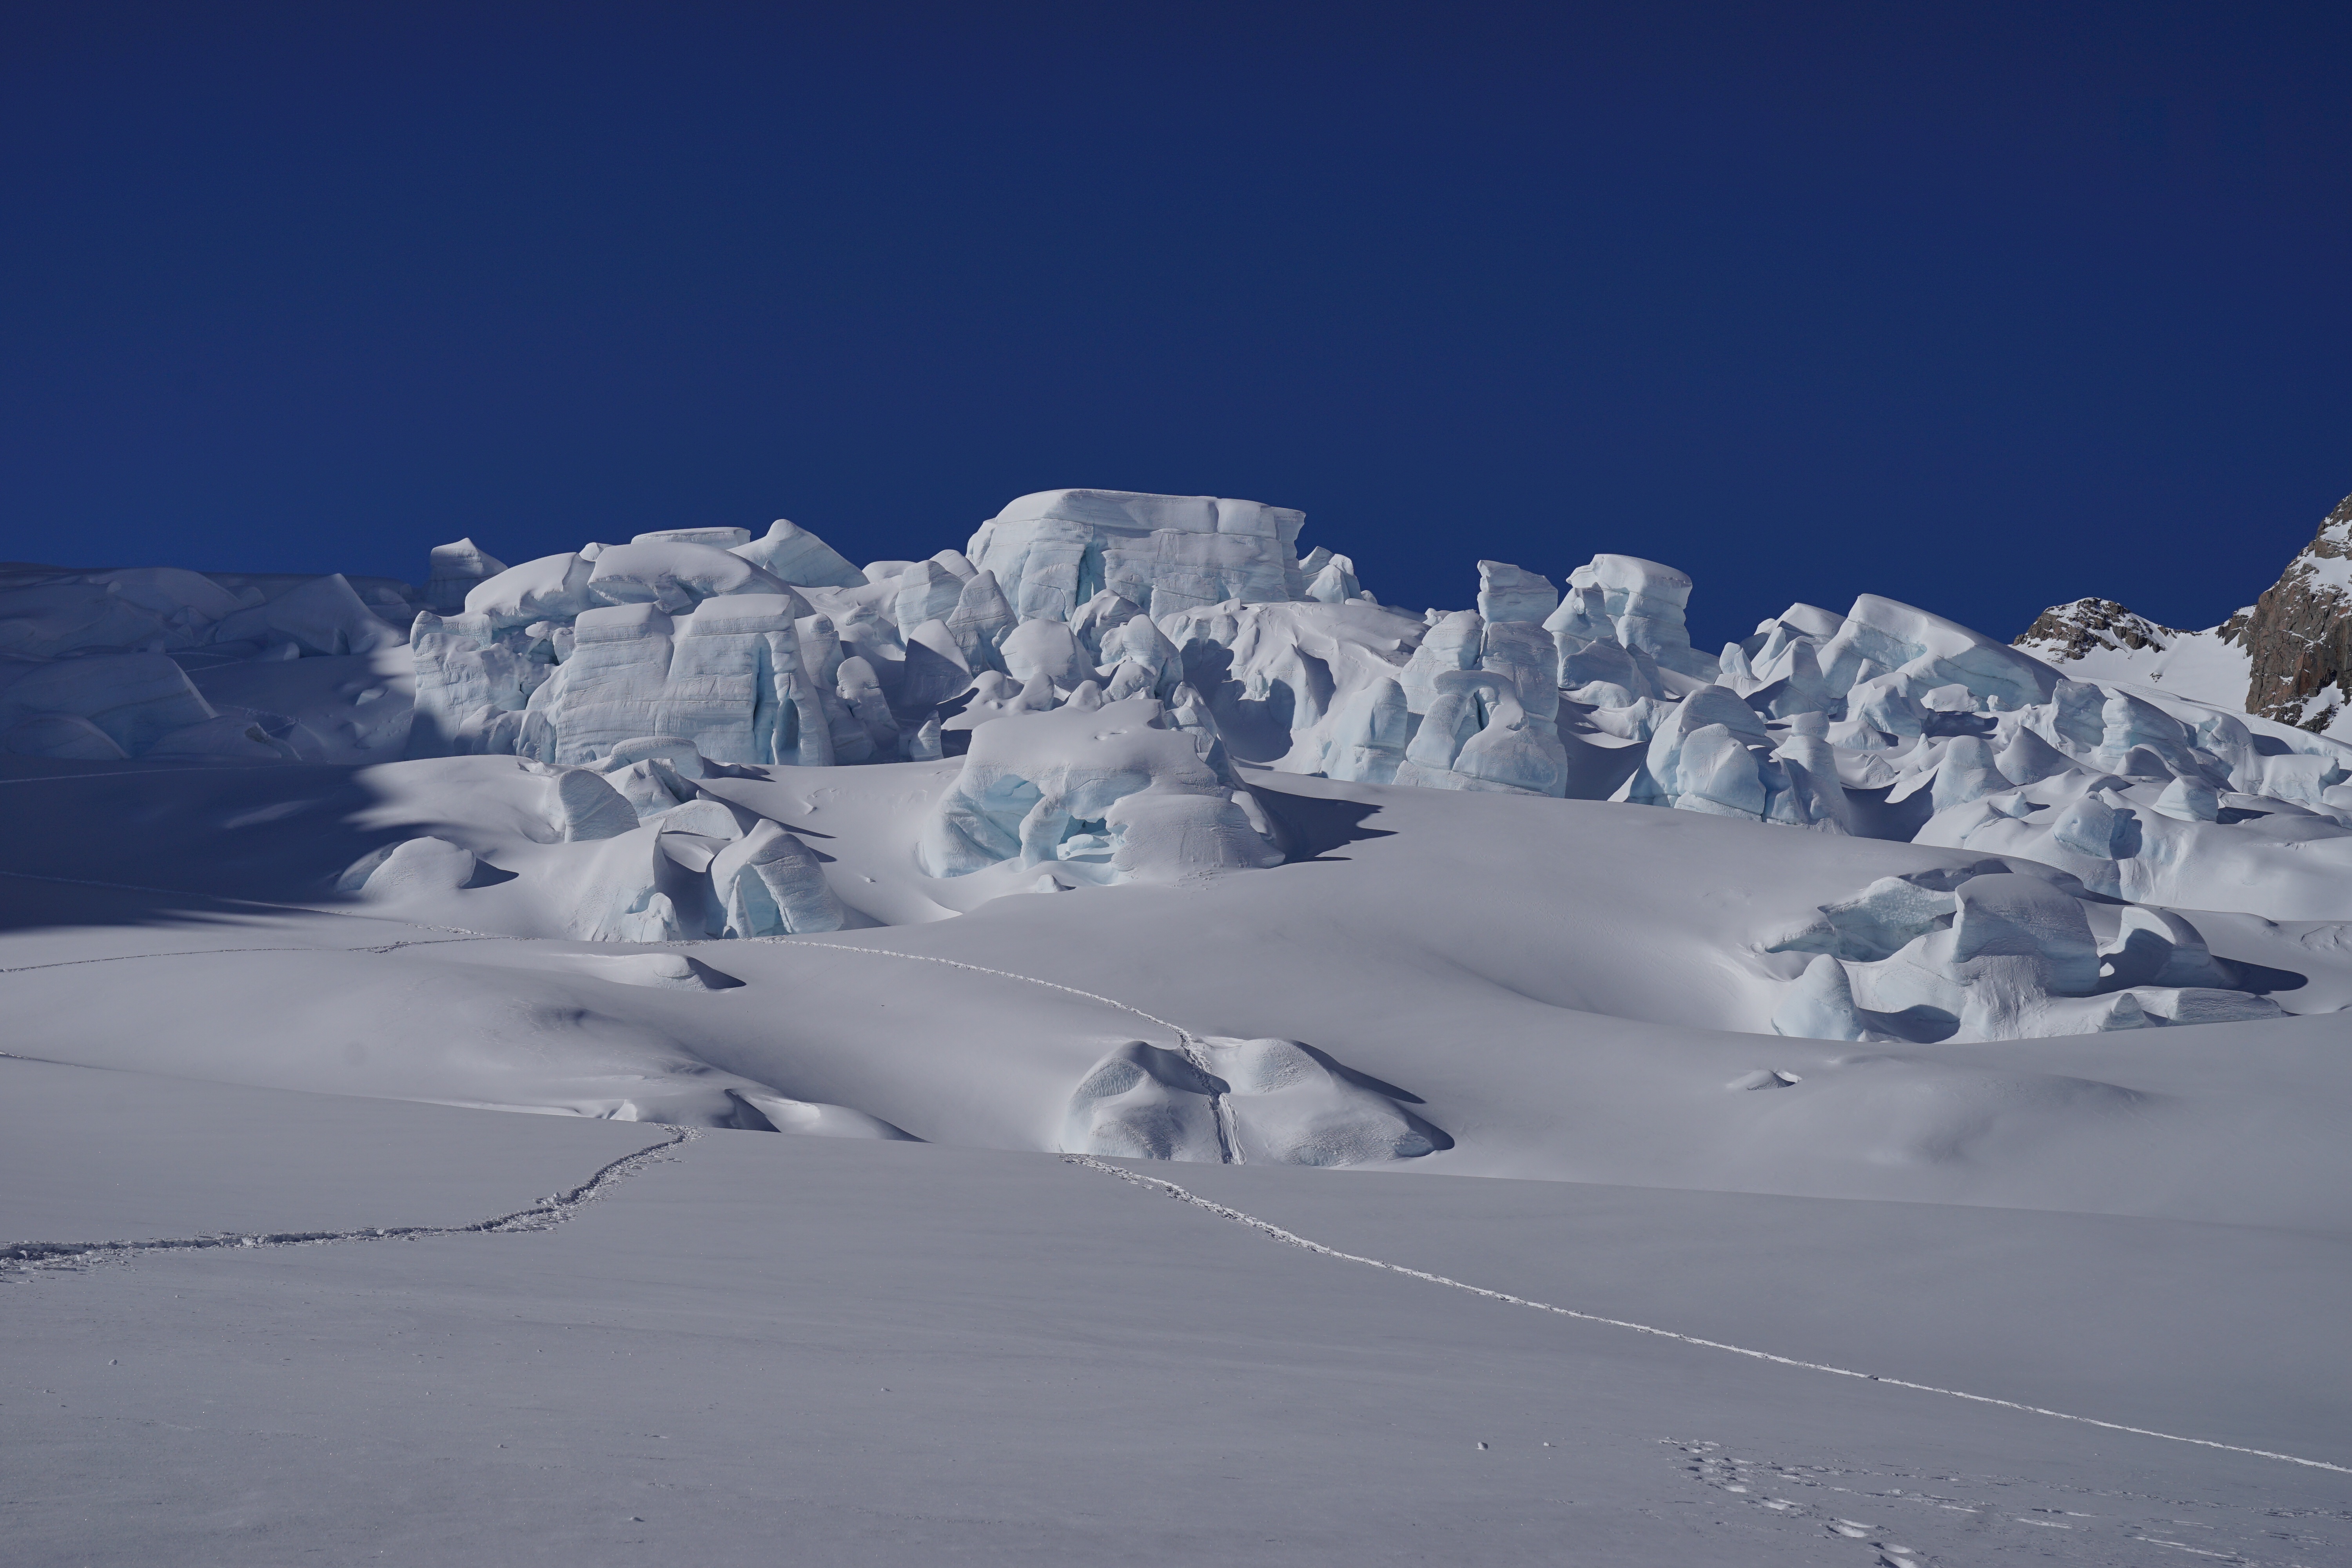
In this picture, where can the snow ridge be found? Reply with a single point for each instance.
(546, 1215)
(1274, 1232)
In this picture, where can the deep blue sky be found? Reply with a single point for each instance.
(1982, 306)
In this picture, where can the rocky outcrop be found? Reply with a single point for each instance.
(2299, 635)
(2297, 639)
(2070, 631)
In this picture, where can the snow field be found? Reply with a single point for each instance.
(1952, 1036)
(879, 1354)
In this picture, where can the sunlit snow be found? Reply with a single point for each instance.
(1120, 832)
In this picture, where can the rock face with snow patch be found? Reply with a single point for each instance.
(2065, 632)
(2300, 635)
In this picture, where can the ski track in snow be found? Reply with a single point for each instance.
(38, 1255)
(1176, 1029)
(213, 951)
(1221, 1115)
(546, 1215)
(1274, 1232)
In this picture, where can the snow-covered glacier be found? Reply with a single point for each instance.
(1870, 1007)
(699, 741)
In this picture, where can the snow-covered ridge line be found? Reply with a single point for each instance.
(2065, 632)
(1290, 1238)
(546, 1215)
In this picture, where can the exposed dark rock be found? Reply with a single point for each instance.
(2299, 633)
(2070, 631)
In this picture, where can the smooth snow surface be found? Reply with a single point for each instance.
(895, 1354)
(1908, 1078)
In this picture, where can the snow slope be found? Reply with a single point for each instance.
(1872, 995)
(2203, 667)
(873, 1354)
(1619, 986)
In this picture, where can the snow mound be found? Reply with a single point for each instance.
(412, 868)
(1236, 1101)
(1988, 953)
(1107, 793)
(814, 1119)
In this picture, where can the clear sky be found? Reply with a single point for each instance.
(1982, 306)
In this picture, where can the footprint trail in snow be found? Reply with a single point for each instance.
(546, 1215)
(1274, 1232)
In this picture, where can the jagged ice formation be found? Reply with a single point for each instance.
(1101, 673)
